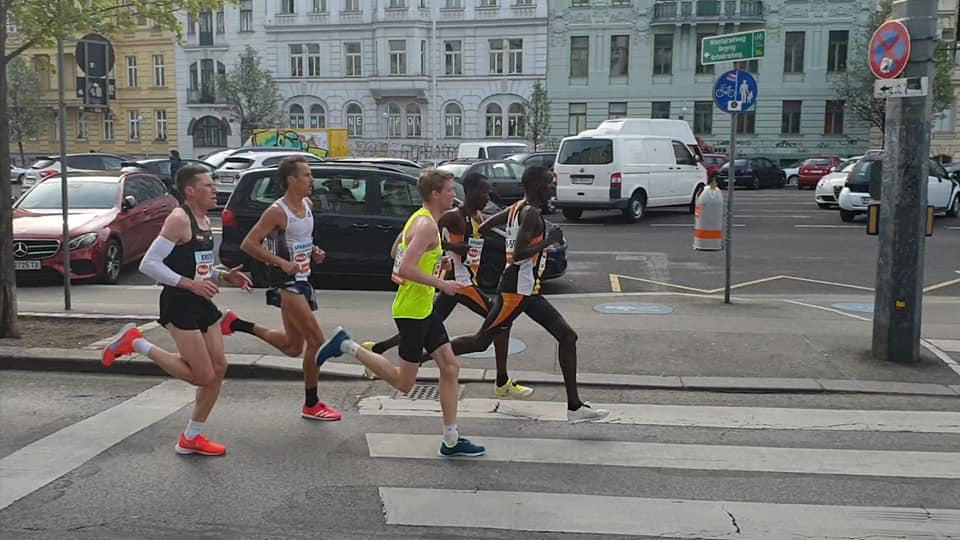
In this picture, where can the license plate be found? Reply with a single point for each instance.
(226, 179)
(26, 265)
(581, 179)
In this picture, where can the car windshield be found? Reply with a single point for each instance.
(818, 162)
(456, 169)
(43, 163)
(865, 170)
(217, 159)
(714, 160)
(500, 152)
(586, 152)
(740, 163)
(80, 193)
(848, 165)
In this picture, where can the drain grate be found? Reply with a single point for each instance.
(427, 392)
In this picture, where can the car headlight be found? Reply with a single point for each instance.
(83, 241)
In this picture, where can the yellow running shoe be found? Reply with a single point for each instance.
(368, 345)
(512, 390)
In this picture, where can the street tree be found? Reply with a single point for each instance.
(31, 23)
(538, 115)
(23, 102)
(251, 93)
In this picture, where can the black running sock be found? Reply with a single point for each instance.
(502, 379)
(312, 398)
(241, 325)
(379, 348)
(577, 406)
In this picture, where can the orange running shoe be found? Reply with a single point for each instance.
(120, 344)
(228, 317)
(199, 445)
(321, 411)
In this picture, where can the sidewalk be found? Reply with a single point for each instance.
(759, 344)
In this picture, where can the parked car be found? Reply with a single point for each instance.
(753, 173)
(813, 169)
(458, 167)
(678, 130)
(490, 149)
(358, 212)
(829, 187)
(713, 163)
(113, 218)
(792, 171)
(943, 192)
(161, 167)
(403, 165)
(17, 174)
(92, 161)
(504, 177)
(543, 159)
(225, 177)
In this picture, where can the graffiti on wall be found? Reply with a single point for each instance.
(794, 147)
(317, 143)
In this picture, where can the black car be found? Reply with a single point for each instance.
(161, 167)
(358, 212)
(754, 173)
(543, 159)
(502, 175)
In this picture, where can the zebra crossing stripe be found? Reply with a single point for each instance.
(672, 518)
(685, 415)
(907, 464)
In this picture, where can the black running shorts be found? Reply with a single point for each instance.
(471, 297)
(419, 335)
(303, 288)
(187, 311)
(508, 306)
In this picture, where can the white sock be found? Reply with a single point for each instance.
(350, 347)
(142, 346)
(450, 435)
(194, 428)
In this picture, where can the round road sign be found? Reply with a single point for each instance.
(735, 91)
(889, 50)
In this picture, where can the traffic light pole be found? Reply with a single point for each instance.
(903, 208)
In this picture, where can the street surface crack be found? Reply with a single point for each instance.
(733, 520)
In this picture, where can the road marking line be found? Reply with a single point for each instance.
(780, 216)
(954, 228)
(941, 285)
(828, 226)
(45, 460)
(834, 283)
(684, 415)
(831, 310)
(656, 518)
(615, 284)
(688, 225)
(703, 457)
(944, 357)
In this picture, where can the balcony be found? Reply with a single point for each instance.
(716, 11)
(204, 96)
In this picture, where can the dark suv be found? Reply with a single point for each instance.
(358, 212)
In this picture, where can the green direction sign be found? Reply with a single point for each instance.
(733, 47)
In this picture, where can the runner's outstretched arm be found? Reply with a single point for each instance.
(497, 220)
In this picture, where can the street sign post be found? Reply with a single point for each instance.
(889, 50)
(898, 88)
(733, 47)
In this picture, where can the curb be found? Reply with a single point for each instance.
(266, 367)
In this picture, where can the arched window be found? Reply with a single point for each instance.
(494, 117)
(453, 120)
(210, 132)
(296, 117)
(413, 120)
(318, 117)
(393, 120)
(354, 120)
(516, 121)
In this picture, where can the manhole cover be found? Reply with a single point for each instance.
(858, 307)
(426, 392)
(633, 308)
(516, 347)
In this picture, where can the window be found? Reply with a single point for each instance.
(107, 126)
(296, 117)
(246, 15)
(396, 4)
(617, 109)
(515, 56)
(398, 57)
(400, 197)
(453, 57)
(131, 71)
(319, 6)
(663, 54)
(752, 66)
(579, 3)
(837, 51)
(134, 120)
(82, 125)
(313, 60)
(191, 25)
(833, 118)
(453, 120)
(494, 121)
(619, 56)
(220, 22)
(159, 71)
(793, 52)
(682, 154)
(351, 5)
(287, 7)
(577, 118)
(160, 115)
(746, 123)
(703, 117)
(354, 120)
(496, 56)
(354, 63)
(516, 121)
(660, 109)
(453, 4)
(488, 3)
(209, 132)
(394, 125)
(296, 60)
(414, 124)
(423, 57)
(318, 117)
(56, 126)
(943, 121)
(579, 57)
(341, 193)
(790, 117)
(702, 69)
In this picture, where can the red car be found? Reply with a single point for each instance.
(713, 163)
(813, 169)
(113, 218)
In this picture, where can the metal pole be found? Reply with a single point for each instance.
(65, 203)
(434, 68)
(898, 299)
(731, 187)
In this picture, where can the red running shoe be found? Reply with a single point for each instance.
(321, 411)
(225, 323)
(120, 344)
(199, 445)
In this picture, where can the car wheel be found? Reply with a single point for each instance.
(693, 201)
(112, 262)
(258, 274)
(755, 184)
(782, 183)
(635, 207)
(847, 216)
(572, 214)
(954, 209)
(794, 179)
(823, 206)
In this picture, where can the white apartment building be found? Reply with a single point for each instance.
(419, 76)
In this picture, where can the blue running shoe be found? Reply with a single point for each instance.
(331, 349)
(462, 448)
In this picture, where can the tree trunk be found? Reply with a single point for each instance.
(8, 277)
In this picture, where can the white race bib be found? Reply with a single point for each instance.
(204, 265)
(397, 261)
(300, 253)
(474, 251)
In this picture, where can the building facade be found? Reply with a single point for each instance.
(640, 58)
(141, 117)
(411, 78)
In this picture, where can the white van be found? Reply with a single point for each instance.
(662, 127)
(629, 173)
(490, 149)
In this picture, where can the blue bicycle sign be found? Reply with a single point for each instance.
(735, 91)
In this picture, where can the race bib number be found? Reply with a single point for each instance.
(511, 243)
(474, 251)
(397, 261)
(300, 253)
(204, 265)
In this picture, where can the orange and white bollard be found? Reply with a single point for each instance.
(708, 220)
